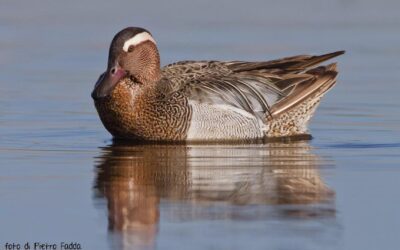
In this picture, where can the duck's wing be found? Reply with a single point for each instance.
(256, 87)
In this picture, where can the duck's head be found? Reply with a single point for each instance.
(133, 53)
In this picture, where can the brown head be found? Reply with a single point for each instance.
(133, 53)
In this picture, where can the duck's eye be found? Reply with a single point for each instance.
(113, 70)
(130, 49)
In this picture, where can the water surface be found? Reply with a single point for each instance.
(62, 178)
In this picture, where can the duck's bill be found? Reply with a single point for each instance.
(106, 84)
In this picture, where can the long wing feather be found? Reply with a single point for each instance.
(258, 87)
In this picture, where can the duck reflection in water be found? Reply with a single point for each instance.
(208, 182)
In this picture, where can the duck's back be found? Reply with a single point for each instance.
(247, 100)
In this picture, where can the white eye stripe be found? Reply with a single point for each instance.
(139, 38)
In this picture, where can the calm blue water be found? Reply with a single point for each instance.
(62, 178)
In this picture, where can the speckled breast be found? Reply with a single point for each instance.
(141, 114)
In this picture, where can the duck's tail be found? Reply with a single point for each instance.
(290, 115)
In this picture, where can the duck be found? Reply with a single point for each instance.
(137, 99)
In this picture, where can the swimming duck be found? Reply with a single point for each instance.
(206, 100)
